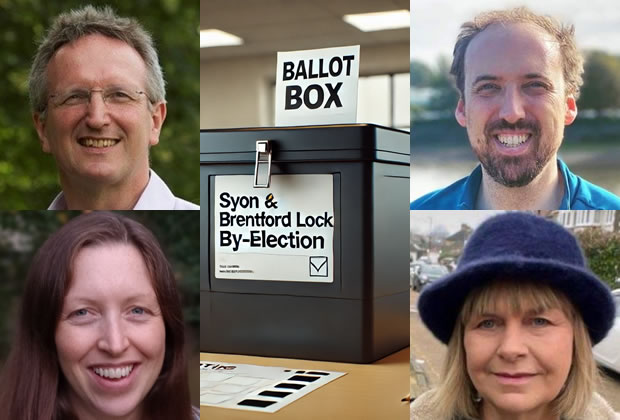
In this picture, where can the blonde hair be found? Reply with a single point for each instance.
(455, 394)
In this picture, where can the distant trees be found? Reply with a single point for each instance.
(421, 75)
(446, 95)
(602, 249)
(443, 95)
(600, 91)
(601, 87)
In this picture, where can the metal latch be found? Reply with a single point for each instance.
(263, 156)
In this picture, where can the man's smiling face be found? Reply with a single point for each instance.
(100, 141)
(514, 105)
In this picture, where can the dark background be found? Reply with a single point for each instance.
(23, 232)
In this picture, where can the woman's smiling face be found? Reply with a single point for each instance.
(111, 335)
(518, 359)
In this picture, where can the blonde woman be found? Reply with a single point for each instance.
(520, 315)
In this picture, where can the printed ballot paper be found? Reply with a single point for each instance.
(257, 388)
(316, 87)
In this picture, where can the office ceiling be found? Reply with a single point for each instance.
(267, 26)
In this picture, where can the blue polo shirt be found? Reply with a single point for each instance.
(579, 194)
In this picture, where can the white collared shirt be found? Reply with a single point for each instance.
(156, 196)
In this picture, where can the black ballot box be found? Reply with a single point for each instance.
(304, 242)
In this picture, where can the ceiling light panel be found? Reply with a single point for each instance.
(216, 38)
(379, 21)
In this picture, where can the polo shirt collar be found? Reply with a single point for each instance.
(467, 200)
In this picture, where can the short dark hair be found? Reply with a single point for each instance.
(42, 394)
(572, 59)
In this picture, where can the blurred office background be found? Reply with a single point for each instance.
(440, 149)
(237, 82)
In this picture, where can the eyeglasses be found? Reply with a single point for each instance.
(114, 97)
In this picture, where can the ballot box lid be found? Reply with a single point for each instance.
(350, 142)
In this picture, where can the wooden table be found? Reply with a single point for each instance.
(372, 391)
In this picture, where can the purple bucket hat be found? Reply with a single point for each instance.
(520, 246)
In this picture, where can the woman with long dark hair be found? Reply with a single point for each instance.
(100, 333)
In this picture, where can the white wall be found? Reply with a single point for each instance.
(236, 92)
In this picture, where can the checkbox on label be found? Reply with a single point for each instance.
(318, 266)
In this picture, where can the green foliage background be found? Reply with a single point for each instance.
(28, 177)
(600, 90)
(23, 232)
(602, 249)
(601, 81)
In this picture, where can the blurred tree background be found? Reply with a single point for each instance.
(440, 146)
(602, 249)
(23, 232)
(601, 82)
(600, 91)
(28, 177)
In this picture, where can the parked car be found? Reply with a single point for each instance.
(607, 352)
(421, 274)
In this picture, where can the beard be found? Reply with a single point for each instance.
(514, 171)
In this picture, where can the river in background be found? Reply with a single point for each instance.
(431, 171)
(440, 154)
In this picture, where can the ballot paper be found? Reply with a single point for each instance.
(257, 388)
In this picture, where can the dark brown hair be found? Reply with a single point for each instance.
(32, 385)
(564, 35)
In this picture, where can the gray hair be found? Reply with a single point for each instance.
(70, 26)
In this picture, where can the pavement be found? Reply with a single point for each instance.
(427, 355)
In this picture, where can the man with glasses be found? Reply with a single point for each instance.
(98, 99)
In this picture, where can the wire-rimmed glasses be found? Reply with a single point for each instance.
(113, 97)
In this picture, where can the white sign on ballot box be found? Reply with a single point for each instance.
(316, 87)
(281, 233)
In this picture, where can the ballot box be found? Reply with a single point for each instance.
(304, 242)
